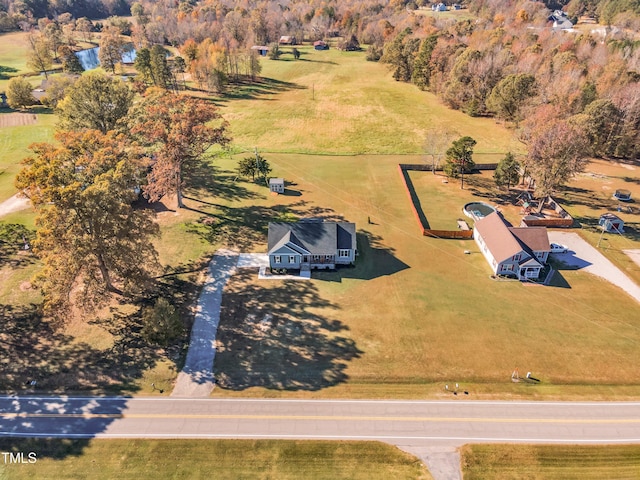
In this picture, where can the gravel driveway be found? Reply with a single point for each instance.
(586, 257)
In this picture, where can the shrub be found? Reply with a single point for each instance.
(161, 323)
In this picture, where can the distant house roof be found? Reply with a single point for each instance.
(560, 20)
(287, 39)
(319, 43)
(276, 181)
(312, 237)
(260, 48)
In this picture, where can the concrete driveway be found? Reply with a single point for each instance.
(585, 257)
(196, 378)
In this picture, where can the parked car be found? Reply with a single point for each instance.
(558, 248)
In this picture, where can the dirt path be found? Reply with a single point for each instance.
(14, 204)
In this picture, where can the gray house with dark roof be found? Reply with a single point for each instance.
(311, 244)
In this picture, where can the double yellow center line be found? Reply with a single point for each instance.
(317, 418)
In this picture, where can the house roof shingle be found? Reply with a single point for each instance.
(534, 238)
(497, 237)
(315, 237)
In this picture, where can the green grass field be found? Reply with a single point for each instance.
(415, 312)
(336, 102)
(546, 462)
(204, 459)
(14, 143)
(13, 56)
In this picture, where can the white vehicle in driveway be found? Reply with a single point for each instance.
(558, 248)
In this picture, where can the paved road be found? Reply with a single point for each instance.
(403, 423)
(431, 430)
(196, 378)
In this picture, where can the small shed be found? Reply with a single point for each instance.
(261, 49)
(276, 185)
(320, 45)
(288, 40)
(611, 223)
(622, 195)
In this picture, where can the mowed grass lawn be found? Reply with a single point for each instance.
(13, 56)
(336, 102)
(14, 143)
(558, 462)
(416, 312)
(204, 459)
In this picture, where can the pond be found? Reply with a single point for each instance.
(89, 58)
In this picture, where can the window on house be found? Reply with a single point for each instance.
(343, 253)
(277, 259)
(292, 259)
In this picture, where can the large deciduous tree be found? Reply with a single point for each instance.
(174, 129)
(19, 93)
(70, 62)
(557, 151)
(96, 101)
(460, 158)
(39, 57)
(92, 242)
(111, 49)
(254, 165)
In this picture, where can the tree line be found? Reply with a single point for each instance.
(569, 96)
(94, 241)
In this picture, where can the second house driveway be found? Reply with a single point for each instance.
(586, 257)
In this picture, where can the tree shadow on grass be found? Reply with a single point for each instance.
(4, 70)
(571, 196)
(258, 89)
(204, 177)
(15, 240)
(484, 187)
(280, 336)
(35, 357)
(33, 349)
(242, 228)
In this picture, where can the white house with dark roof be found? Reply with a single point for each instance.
(521, 252)
(311, 244)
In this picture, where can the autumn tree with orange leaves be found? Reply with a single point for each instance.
(177, 131)
(93, 243)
